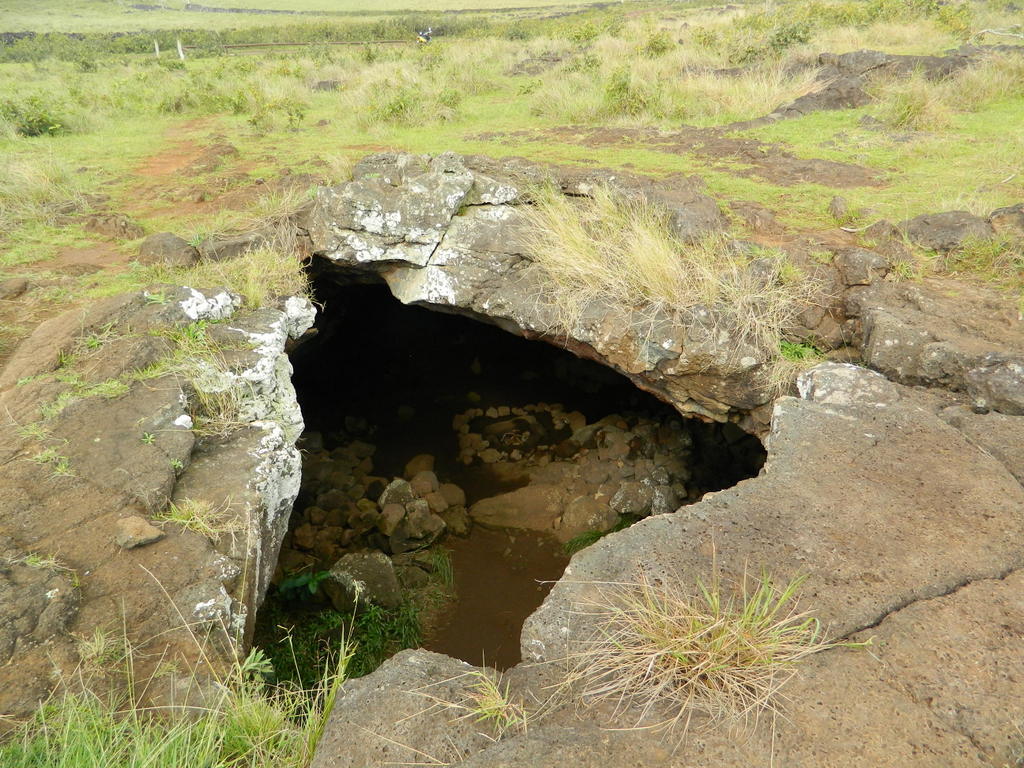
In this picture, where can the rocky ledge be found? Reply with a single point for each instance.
(98, 443)
(448, 231)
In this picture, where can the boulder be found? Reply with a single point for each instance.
(1000, 435)
(664, 500)
(13, 288)
(419, 528)
(116, 225)
(535, 507)
(958, 335)
(362, 577)
(457, 520)
(438, 503)
(304, 537)
(397, 219)
(998, 385)
(632, 498)
(859, 266)
(454, 495)
(424, 482)
(417, 715)
(585, 513)
(390, 516)
(167, 249)
(398, 492)
(1008, 221)
(923, 558)
(874, 64)
(839, 209)
(838, 93)
(224, 248)
(422, 462)
(37, 600)
(945, 232)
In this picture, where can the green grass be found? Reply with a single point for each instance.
(301, 639)
(243, 722)
(458, 96)
(800, 352)
(108, 16)
(585, 539)
(973, 164)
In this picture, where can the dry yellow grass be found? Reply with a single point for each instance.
(37, 188)
(659, 654)
(619, 251)
(916, 103)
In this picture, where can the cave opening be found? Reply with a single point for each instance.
(449, 469)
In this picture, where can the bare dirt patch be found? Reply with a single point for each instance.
(740, 156)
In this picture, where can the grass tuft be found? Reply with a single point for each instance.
(661, 654)
(201, 517)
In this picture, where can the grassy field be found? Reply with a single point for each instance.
(116, 16)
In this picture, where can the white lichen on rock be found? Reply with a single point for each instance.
(219, 306)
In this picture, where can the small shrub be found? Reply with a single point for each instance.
(956, 18)
(585, 62)
(517, 32)
(450, 98)
(912, 103)
(33, 117)
(378, 633)
(789, 35)
(800, 352)
(394, 104)
(657, 45)
(1000, 260)
(267, 112)
(583, 33)
(441, 567)
(705, 38)
(619, 249)
(258, 277)
(37, 190)
(242, 722)
(300, 586)
(627, 94)
(581, 541)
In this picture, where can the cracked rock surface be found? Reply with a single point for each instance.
(908, 531)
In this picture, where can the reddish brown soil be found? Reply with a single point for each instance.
(731, 154)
